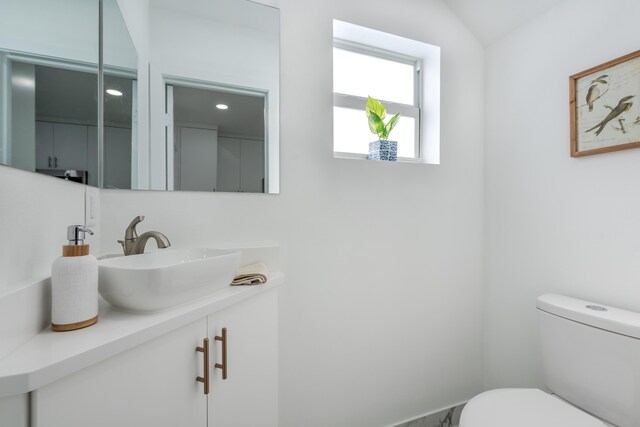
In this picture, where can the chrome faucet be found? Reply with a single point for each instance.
(134, 244)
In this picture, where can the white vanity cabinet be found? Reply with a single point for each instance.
(249, 395)
(150, 385)
(154, 384)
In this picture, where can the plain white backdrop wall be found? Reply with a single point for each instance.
(554, 223)
(34, 214)
(381, 314)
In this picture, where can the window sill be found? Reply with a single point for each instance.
(354, 156)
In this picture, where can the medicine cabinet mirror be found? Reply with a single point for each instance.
(190, 103)
(48, 87)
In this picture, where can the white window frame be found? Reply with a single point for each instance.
(354, 102)
(430, 56)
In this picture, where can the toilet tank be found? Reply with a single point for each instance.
(591, 357)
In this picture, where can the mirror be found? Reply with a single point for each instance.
(225, 128)
(120, 89)
(206, 55)
(59, 118)
(48, 87)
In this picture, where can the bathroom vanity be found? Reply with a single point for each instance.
(133, 369)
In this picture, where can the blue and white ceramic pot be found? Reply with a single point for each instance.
(383, 150)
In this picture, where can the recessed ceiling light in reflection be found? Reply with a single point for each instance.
(222, 106)
(114, 92)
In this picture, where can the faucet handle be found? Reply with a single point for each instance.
(131, 232)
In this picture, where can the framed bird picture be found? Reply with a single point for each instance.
(605, 107)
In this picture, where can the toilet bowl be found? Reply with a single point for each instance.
(524, 407)
(591, 364)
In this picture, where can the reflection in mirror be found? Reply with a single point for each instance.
(48, 87)
(204, 50)
(119, 130)
(120, 99)
(218, 139)
(66, 123)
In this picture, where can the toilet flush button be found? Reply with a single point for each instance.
(596, 308)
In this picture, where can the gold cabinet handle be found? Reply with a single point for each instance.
(223, 365)
(205, 350)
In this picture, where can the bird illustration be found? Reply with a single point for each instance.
(592, 95)
(622, 107)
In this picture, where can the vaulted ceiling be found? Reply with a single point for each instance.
(489, 20)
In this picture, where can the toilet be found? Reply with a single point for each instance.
(591, 364)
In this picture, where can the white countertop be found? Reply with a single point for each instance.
(49, 356)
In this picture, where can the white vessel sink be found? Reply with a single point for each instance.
(158, 280)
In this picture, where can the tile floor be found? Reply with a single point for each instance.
(435, 420)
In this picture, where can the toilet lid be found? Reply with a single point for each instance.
(523, 408)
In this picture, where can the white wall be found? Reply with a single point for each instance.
(34, 214)
(381, 314)
(554, 223)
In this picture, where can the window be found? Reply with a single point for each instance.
(403, 74)
(360, 71)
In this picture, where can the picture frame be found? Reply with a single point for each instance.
(605, 107)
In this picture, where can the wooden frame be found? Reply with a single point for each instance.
(605, 107)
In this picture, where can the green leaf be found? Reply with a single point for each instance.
(378, 124)
(372, 126)
(392, 123)
(375, 106)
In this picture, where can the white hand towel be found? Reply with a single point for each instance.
(254, 274)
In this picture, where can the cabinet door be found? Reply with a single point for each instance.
(252, 166)
(248, 397)
(228, 164)
(150, 385)
(117, 157)
(69, 146)
(198, 159)
(44, 145)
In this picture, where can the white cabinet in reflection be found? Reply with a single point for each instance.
(198, 152)
(228, 164)
(117, 155)
(240, 165)
(70, 146)
(44, 145)
(252, 166)
(61, 146)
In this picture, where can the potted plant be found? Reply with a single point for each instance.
(383, 149)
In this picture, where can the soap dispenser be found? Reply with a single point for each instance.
(74, 284)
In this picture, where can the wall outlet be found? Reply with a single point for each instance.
(91, 207)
